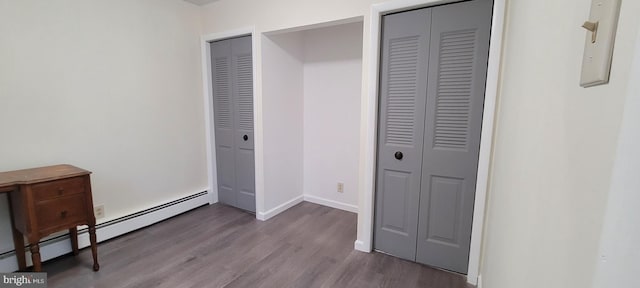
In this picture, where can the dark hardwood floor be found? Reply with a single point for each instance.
(218, 246)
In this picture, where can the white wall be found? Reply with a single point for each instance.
(332, 80)
(282, 70)
(110, 86)
(619, 256)
(554, 148)
(227, 15)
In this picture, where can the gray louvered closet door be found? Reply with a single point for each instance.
(232, 73)
(433, 197)
(405, 49)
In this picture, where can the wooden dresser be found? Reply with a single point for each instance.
(47, 200)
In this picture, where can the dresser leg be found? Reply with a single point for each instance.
(18, 238)
(18, 243)
(35, 256)
(94, 247)
(73, 235)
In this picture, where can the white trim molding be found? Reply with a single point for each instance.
(209, 117)
(264, 216)
(61, 245)
(360, 246)
(365, 219)
(331, 203)
(486, 139)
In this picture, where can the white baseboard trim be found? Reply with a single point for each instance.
(264, 216)
(359, 245)
(331, 203)
(61, 245)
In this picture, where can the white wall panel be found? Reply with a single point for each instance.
(332, 79)
(282, 92)
(110, 86)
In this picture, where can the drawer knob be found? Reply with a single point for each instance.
(60, 190)
(63, 214)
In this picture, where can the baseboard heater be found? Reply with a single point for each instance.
(116, 227)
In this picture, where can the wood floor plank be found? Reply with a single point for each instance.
(219, 246)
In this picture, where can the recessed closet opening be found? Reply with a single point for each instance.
(311, 93)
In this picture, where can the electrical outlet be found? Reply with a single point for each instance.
(98, 211)
(340, 187)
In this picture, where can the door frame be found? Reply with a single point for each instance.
(207, 91)
(370, 123)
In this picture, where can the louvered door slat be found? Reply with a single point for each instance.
(222, 92)
(457, 51)
(401, 94)
(245, 92)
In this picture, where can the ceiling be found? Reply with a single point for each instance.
(201, 2)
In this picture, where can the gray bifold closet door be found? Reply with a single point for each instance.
(232, 73)
(433, 74)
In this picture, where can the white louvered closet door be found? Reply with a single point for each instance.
(451, 118)
(232, 82)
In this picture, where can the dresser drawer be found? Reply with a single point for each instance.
(61, 213)
(58, 188)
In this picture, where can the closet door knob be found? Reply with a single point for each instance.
(245, 137)
(399, 155)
